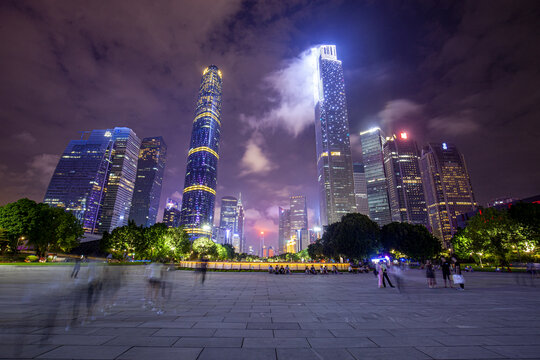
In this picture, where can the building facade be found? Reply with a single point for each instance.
(228, 219)
(147, 193)
(405, 190)
(200, 183)
(121, 179)
(284, 232)
(240, 225)
(334, 161)
(360, 189)
(80, 178)
(171, 214)
(447, 188)
(377, 189)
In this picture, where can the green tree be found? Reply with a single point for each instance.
(124, 240)
(303, 254)
(18, 221)
(67, 230)
(413, 240)
(178, 241)
(204, 247)
(154, 242)
(230, 251)
(528, 216)
(354, 237)
(315, 250)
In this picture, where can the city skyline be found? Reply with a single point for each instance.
(440, 80)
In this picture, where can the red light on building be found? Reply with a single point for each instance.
(403, 135)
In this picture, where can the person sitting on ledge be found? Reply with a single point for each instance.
(313, 271)
(270, 269)
(287, 270)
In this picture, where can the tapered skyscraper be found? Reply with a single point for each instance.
(150, 169)
(334, 164)
(447, 187)
(201, 173)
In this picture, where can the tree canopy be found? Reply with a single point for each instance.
(413, 240)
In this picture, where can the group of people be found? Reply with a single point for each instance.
(322, 270)
(279, 270)
(451, 272)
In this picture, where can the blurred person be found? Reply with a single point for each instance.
(384, 268)
(430, 274)
(459, 279)
(445, 266)
(378, 273)
(270, 269)
(76, 267)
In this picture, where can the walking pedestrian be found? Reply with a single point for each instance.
(458, 277)
(379, 274)
(445, 266)
(384, 267)
(430, 274)
(76, 268)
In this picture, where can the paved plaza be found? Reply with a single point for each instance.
(263, 316)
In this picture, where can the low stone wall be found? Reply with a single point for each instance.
(225, 265)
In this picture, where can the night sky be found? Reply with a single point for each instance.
(460, 72)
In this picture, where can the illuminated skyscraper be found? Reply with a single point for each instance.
(79, 180)
(240, 224)
(121, 179)
(377, 189)
(334, 164)
(299, 221)
(447, 187)
(201, 172)
(284, 234)
(228, 220)
(405, 191)
(150, 169)
(171, 215)
(360, 189)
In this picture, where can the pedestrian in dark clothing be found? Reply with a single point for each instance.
(445, 266)
(457, 271)
(430, 274)
(385, 275)
(76, 268)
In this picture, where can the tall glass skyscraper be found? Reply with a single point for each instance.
(405, 190)
(121, 179)
(240, 224)
(79, 180)
(360, 189)
(377, 189)
(334, 163)
(201, 172)
(150, 169)
(228, 220)
(299, 220)
(284, 234)
(447, 187)
(171, 214)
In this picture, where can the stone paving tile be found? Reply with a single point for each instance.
(517, 352)
(16, 351)
(359, 332)
(155, 353)
(143, 340)
(273, 326)
(237, 354)
(233, 342)
(303, 333)
(244, 333)
(313, 354)
(393, 341)
(84, 352)
(417, 332)
(402, 353)
(185, 332)
(459, 352)
(168, 324)
(8, 339)
(325, 325)
(341, 342)
(219, 325)
(70, 339)
(275, 343)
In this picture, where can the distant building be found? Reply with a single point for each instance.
(298, 215)
(404, 180)
(150, 169)
(240, 224)
(334, 160)
(121, 180)
(200, 183)
(284, 233)
(80, 178)
(447, 188)
(377, 188)
(501, 202)
(228, 220)
(271, 251)
(360, 189)
(171, 215)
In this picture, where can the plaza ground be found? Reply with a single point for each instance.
(263, 316)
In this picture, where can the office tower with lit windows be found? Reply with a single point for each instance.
(298, 220)
(447, 188)
(240, 224)
(334, 162)
(171, 215)
(150, 169)
(284, 233)
(121, 180)
(200, 183)
(360, 189)
(377, 189)
(405, 190)
(79, 180)
(228, 220)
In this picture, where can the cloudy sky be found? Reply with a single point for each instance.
(461, 72)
